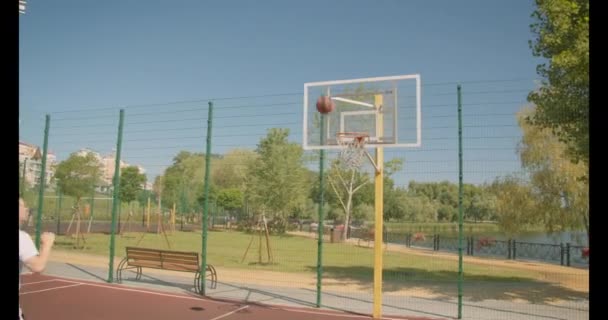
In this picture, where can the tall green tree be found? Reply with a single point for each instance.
(131, 184)
(514, 204)
(418, 208)
(477, 204)
(562, 37)
(183, 181)
(230, 199)
(277, 180)
(561, 193)
(78, 175)
(443, 195)
(231, 170)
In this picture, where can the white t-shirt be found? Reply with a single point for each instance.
(27, 249)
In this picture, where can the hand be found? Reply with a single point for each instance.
(47, 239)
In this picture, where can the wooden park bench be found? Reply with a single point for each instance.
(138, 258)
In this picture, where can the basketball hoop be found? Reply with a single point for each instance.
(353, 151)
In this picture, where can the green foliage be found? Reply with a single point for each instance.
(131, 183)
(514, 204)
(419, 209)
(477, 204)
(183, 178)
(395, 204)
(230, 199)
(277, 180)
(562, 37)
(308, 210)
(558, 184)
(363, 212)
(143, 195)
(230, 171)
(78, 175)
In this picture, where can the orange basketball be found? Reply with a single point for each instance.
(325, 104)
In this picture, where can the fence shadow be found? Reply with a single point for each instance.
(444, 285)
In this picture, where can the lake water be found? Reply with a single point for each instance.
(574, 238)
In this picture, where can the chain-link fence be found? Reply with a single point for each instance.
(264, 191)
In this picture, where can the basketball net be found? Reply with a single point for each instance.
(353, 151)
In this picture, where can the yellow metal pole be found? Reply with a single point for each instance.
(378, 203)
(148, 215)
(173, 218)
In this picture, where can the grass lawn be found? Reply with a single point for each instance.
(296, 254)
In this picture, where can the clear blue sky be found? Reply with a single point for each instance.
(91, 55)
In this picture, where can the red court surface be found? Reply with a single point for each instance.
(46, 298)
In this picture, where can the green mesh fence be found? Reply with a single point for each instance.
(263, 204)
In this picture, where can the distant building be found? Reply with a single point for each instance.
(22, 6)
(108, 164)
(30, 156)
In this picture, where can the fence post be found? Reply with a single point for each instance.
(207, 180)
(116, 185)
(514, 249)
(92, 210)
(438, 237)
(460, 207)
(42, 180)
(561, 253)
(58, 210)
(568, 254)
(509, 249)
(472, 245)
(321, 216)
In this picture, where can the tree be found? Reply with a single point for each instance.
(231, 170)
(144, 195)
(184, 180)
(131, 183)
(557, 183)
(443, 195)
(418, 208)
(277, 180)
(363, 212)
(78, 175)
(562, 37)
(230, 199)
(345, 182)
(514, 204)
(395, 202)
(477, 204)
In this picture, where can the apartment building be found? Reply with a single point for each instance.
(30, 156)
(108, 165)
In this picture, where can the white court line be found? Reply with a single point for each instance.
(25, 284)
(76, 283)
(229, 313)
(49, 289)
